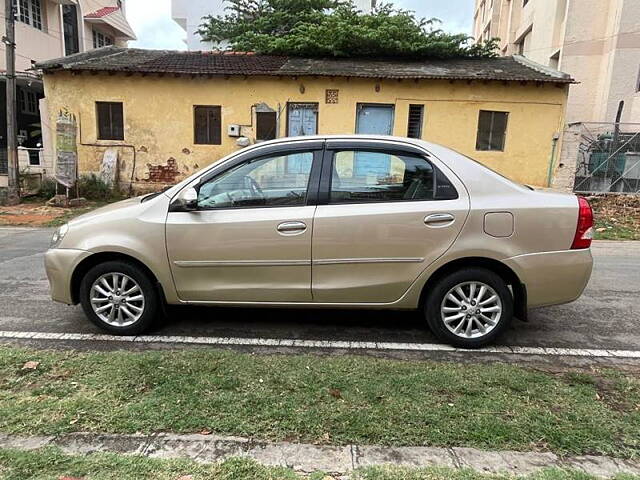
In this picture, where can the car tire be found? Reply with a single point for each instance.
(469, 318)
(134, 308)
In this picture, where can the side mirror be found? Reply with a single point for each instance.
(186, 201)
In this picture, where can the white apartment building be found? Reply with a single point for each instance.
(189, 13)
(596, 41)
(47, 29)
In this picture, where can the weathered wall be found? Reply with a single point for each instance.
(158, 115)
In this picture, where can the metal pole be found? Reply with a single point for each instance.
(12, 152)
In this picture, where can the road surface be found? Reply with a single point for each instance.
(606, 317)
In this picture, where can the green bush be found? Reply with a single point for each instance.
(47, 188)
(93, 188)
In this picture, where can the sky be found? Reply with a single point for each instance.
(155, 28)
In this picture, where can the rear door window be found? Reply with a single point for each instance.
(360, 176)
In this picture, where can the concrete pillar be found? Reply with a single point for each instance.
(565, 170)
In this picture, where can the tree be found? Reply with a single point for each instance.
(335, 28)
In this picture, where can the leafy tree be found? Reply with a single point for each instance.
(335, 28)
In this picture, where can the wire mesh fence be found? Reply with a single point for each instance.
(608, 158)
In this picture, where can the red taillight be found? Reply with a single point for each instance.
(584, 230)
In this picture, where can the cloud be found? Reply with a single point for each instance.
(154, 26)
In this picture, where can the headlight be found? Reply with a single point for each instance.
(58, 235)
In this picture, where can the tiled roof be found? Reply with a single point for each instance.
(103, 12)
(116, 59)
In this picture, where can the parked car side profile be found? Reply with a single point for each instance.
(332, 222)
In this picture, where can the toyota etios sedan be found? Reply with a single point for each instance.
(340, 222)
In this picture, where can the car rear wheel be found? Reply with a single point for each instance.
(469, 308)
(119, 297)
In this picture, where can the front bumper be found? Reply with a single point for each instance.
(60, 263)
(553, 278)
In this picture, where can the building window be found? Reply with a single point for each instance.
(208, 125)
(70, 29)
(416, 117)
(266, 125)
(29, 12)
(28, 102)
(101, 40)
(492, 129)
(110, 120)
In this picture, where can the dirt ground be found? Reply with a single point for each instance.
(37, 214)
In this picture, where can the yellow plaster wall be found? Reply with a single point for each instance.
(158, 115)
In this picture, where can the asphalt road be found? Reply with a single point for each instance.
(606, 317)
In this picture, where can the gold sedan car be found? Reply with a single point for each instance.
(333, 222)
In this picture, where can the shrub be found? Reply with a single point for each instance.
(93, 188)
(47, 188)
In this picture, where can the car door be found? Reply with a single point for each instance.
(385, 213)
(250, 238)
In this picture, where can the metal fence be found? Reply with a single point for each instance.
(608, 158)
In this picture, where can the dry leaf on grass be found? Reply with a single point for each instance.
(335, 393)
(30, 365)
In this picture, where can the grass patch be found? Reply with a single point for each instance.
(608, 230)
(51, 463)
(336, 400)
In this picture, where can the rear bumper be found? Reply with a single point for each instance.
(552, 278)
(60, 264)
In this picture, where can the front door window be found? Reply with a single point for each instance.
(264, 182)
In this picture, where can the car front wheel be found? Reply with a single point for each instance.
(119, 297)
(469, 308)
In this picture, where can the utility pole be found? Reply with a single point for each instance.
(12, 152)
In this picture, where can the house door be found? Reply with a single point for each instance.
(376, 119)
(302, 119)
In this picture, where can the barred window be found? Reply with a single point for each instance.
(416, 117)
(101, 40)
(29, 12)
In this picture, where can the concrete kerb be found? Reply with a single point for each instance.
(307, 458)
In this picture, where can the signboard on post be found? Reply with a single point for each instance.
(67, 149)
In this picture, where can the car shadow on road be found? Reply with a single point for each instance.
(313, 324)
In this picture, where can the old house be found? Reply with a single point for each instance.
(168, 114)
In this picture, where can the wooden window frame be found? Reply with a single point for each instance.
(217, 139)
(275, 126)
(109, 136)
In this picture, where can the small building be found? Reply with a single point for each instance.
(168, 114)
(47, 29)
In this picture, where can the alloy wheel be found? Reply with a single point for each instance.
(471, 309)
(117, 299)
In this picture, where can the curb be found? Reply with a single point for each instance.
(307, 458)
